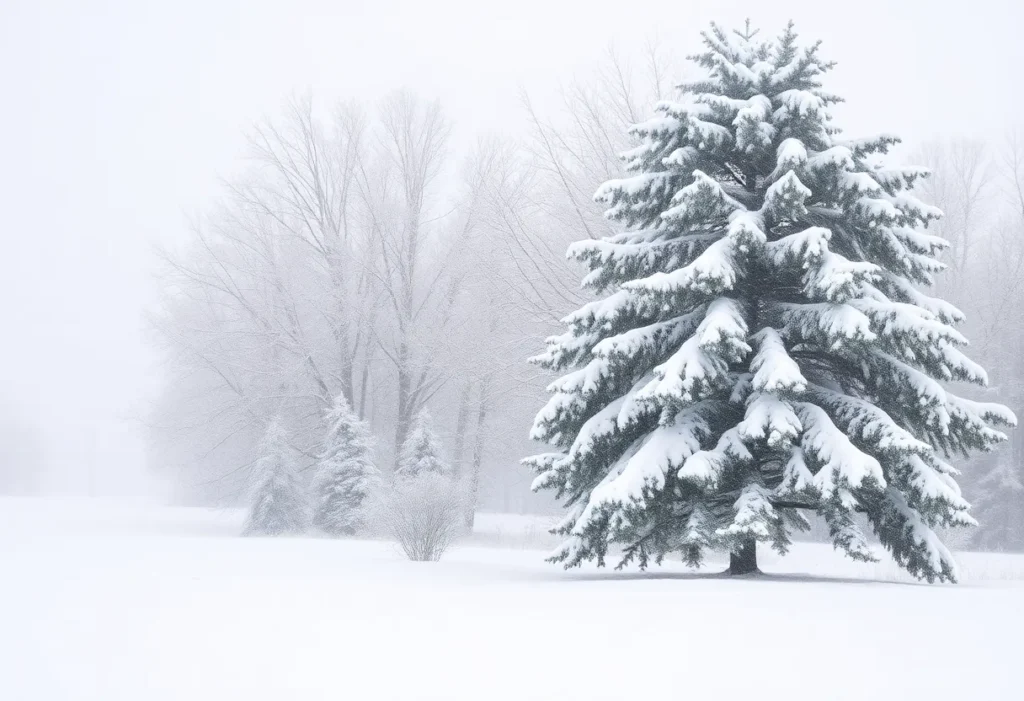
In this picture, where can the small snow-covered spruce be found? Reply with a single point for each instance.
(279, 503)
(761, 348)
(345, 471)
(1000, 508)
(421, 450)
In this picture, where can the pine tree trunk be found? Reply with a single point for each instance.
(744, 561)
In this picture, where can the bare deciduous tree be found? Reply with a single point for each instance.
(960, 185)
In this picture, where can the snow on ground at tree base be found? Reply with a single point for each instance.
(106, 601)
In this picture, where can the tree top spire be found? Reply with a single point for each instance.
(747, 32)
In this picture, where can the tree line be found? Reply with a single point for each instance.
(361, 254)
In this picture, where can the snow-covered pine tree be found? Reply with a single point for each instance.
(421, 450)
(762, 348)
(280, 503)
(345, 472)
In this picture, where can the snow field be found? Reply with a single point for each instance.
(102, 600)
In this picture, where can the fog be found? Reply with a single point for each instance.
(121, 117)
(298, 271)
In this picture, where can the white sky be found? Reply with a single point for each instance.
(118, 116)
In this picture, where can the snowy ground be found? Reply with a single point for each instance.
(117, 602)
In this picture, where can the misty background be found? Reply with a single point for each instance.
(124, 121)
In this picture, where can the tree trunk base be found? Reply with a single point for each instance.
(744, 560)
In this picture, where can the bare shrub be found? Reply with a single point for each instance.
(423, 514)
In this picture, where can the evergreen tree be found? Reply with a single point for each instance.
(421, 450)
(280, 504)
(345, 472)
(761, 348)
(1000, 508)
